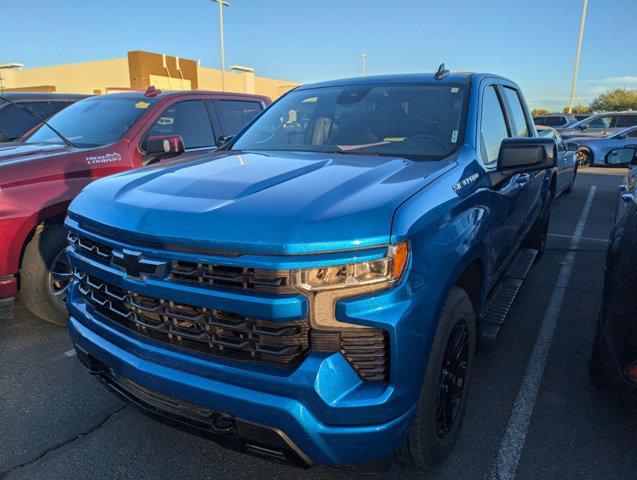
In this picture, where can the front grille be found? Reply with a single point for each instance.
(198, 328)
(201, 274)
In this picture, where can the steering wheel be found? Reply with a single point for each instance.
(431, 138)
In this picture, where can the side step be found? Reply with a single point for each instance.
(503, 295)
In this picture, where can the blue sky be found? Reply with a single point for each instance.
(532, 41)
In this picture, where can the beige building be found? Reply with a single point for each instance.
(138, 70)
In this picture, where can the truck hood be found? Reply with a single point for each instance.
(261, 202)
(12, 153)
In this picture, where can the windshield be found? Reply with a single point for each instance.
(401, 120)
(93, 122)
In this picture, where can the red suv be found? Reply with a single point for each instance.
(93, 138)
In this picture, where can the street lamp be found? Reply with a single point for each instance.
(579, 50)
(222, 4)
(363, 58)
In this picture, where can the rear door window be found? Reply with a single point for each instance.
(493, 126)
(539, 120)
(624, 121)
(235, 114)
(555, 121)
(520, 128)
(190, 120)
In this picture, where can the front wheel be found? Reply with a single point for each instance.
(584, 158)
(443, 396)
(45, 275)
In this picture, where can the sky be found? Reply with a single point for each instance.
(532, 42)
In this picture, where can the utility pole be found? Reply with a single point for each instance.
(363, 58)
(222, 4)
(579, 50)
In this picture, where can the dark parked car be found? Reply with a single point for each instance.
(600, 125)
(592, 151)
(558, 120)
(614, 358)
(15, 122)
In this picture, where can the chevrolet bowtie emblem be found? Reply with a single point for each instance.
(136, 266)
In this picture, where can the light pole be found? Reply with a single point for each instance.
(364, 59)
(579, 49)
(222, 4)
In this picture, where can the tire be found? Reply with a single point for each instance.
(572, 184)
(431, 437)
(538, 236)
(45, 250)
(584, 157)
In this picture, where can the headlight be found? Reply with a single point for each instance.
(325, 285)
(385, 270)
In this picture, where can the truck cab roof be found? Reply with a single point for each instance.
(452, 78)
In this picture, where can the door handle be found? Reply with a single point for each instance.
(523, 178)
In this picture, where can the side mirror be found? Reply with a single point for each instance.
(156, 148)
(224, 140)
(571, 147)
(621, 156)
(519, 155)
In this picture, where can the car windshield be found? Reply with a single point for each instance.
(93, 122)
(419, 121)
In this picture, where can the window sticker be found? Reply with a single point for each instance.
(394, 139)
(454, 136)
(142, 105)
(455, 89)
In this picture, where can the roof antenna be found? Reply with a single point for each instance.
(442, 72)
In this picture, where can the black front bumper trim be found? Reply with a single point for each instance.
(233, 433)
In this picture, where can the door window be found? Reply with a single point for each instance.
(600, 122)
(189, 119)
(234, 115)
(632, 133)
(624, 121)
(520, 127)
(555, 121)
(493, 126)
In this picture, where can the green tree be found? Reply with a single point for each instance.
(539, 111)
(615, 100)
(579, 109)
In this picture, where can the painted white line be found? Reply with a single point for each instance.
(506, 462)
(584, 239)
(70, 353)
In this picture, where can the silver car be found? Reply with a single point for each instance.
(591, 151)
(566, 160)
(600, 125)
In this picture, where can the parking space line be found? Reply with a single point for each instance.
(584, 239)
(70, 353)
(508, 458)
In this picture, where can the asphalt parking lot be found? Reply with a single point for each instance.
(533, 411)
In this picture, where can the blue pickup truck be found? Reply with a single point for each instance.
(315, 289)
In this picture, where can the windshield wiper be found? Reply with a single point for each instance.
(35, 115)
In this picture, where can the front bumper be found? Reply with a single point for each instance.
(307, 437)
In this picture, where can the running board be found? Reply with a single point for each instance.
(503, 295)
